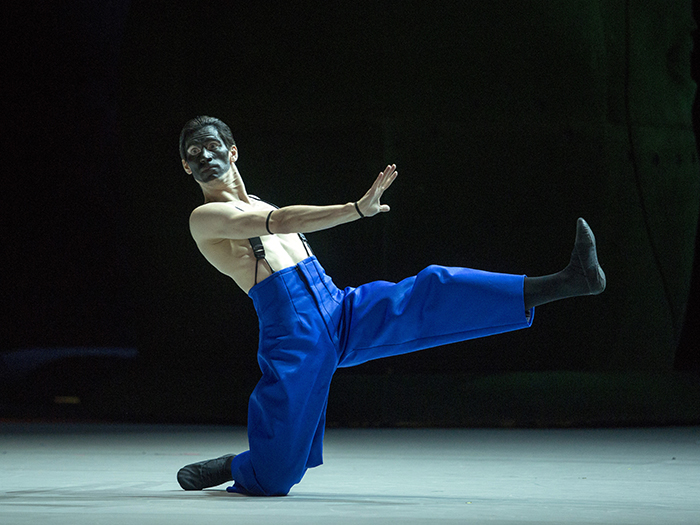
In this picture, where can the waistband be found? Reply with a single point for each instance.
(270, 288)
(306, 278)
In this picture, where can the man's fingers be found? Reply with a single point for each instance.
(388, 178)
(388, 171)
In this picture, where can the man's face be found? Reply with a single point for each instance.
(206, 156)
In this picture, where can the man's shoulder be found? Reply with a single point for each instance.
(215, 208)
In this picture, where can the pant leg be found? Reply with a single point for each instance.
(286, 412)
(440, 305)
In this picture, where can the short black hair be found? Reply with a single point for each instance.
(200, 122)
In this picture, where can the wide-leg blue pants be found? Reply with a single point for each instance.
(309, 328)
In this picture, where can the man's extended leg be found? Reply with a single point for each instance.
(583, 275)
(443, 305)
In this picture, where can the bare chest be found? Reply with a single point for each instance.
(236, 259)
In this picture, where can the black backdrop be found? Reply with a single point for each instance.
(506, 121)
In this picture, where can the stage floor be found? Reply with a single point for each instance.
(125, 474)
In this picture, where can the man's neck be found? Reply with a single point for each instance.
(228, 188)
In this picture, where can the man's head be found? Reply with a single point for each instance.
(207, 148)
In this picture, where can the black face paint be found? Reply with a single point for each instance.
(207, 155)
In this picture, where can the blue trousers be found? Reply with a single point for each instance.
(309, 328)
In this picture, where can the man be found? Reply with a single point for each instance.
(308, 327)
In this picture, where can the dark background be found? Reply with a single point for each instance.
(507, 121)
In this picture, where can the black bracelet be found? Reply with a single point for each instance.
(358, 210)
(267, 223)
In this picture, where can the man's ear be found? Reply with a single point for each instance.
(186, 167)
(233, 154)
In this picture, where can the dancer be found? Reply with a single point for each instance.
(309, 328)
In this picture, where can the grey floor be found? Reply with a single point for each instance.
(124, 474)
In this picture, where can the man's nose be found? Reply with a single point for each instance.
(206, 155)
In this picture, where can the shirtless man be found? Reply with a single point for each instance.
(309, 328)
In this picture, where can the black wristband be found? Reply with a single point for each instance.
(267, 223)
(358, 210)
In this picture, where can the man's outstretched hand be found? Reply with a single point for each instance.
(370, 203)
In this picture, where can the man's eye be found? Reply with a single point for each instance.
(194, 151)
(212, 145)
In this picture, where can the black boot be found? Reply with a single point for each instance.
(205, 474)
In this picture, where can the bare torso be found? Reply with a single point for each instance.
(235, 257)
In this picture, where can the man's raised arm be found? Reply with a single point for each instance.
(221, 221)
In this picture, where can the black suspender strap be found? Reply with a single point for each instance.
(259, 252)
(258, 248)
(306, 244)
